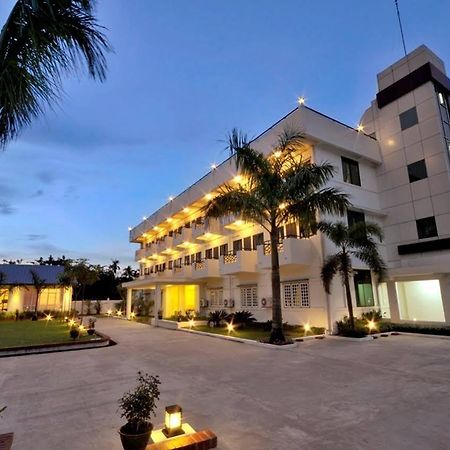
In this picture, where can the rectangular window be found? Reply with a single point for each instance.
(249, 297)
(350, 171)
(355, 217)
(417, 171)
(363, 288)
(223, 249)
(170, 265)
(281, 233)
(409, 118)
(4, 294)
(208, 253)
(216, 252)
(215, 298)
(237, 245)
(426, 227)
(198, 256)
(187, 260)
(258, 239)
(296, 294)
(248, 243)
(291, 229)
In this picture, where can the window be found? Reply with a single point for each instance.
(237, 245)
(350, 171)
(355, 217)
(426, 227)
(258, 239)
(408, 118)
(296, 294)
(187, 260)
(249, 297)
(291, 229)
(170, 265)
(363, 288)
(417, 171)
(281, 233)
(209, 253)
(215, 298)
(4, 294)
(248, 243)
(223, 249)
(216, 252)
(49, 299)
(198, 257)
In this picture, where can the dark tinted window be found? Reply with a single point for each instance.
(408, 118)
(355, 217)
(216, 252)
(258, 239)
(237, 245)
(208, 253)
(426, 227)
(350, 171)
(363, 288)
(223, 249)
(417, 171)
(248, 243)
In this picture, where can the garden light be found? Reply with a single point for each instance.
(173, 421)
(307, 327)
(81, 328)
(132, 315)
(71, 322)
(48, 317)
(230, 327)
(371, 325)
(191, 323)
(119, 313)
(109, 312)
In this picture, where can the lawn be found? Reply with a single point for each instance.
(252, 333)
(27, 332)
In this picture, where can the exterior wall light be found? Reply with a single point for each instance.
(208, 196)
(173, 421)
(213, 166)
(144, 218)
(170, 198)
(186, 210)
(307, 327)
(360, 128)
(301, 100)
(277, 154)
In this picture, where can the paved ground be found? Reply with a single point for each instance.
(391, 393)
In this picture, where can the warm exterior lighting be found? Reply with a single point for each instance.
(230, 327)
(132, 315)
(208, 196)
(71, 323)
(66, 318)
(156, 228)
(301, 100)
(119, 313)
(48, 317)
(144, 218)
(81, 328)
(213, 166)
(109, 312)
(173, 421)
(169, 219)
(129, 228)
(191, 323)
(237, 179)
(282, 206)
(360, 128)
(307, 327)
(371, 325)
(277, 154)
(170, 198)
(186, 210)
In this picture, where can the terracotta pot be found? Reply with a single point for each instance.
(135, 441)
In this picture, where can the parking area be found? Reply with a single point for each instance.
(325, 394)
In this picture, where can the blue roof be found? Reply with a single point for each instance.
(21, 273)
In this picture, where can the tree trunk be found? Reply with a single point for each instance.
(348, 295)
(277, 334)
(37, 302)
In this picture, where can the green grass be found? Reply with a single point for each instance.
(27, 332)
(254, 334)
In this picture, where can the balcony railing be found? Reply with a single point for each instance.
(268, 248)
(230, 258)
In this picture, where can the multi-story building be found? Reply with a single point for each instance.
(395, 167)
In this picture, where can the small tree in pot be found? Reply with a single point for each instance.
(137, 407)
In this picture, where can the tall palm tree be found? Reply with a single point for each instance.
(357, 241)
(39, 285)
(41, 41)
(279, 188)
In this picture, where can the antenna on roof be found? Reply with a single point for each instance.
(401, 27)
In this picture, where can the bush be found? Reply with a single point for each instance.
(411, 328)
(374, 315)
(138, 405)
(345, 329)
(216, 317)
(74, 333)
(242, 318)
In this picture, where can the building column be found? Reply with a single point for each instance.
(129, 301)
(393, 301)
(158, 302)
(444, 284)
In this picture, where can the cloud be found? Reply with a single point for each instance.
(37, 193)
(46, 177)
(6, 209)
(36, 237)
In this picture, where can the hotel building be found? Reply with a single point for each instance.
(395, 168)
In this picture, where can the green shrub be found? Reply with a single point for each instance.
(411, 328)
(216, 317)
(345, 329)
(242, 318)
(74, 333)
(374, 315)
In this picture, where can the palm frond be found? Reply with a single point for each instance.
(372, 258)
(251, 162)
(303, 176)
(237, 139)
(329, 270)
(336, 232)
(290, 140)
(41, 41)
(362, 232)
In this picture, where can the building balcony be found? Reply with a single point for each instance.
(291, 252)
(183, 239)
(140, 254)
(206, 233)
(206, 268)
(183, 271)
(243, 261)
(164, 244)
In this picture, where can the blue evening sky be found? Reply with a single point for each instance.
(184, 73)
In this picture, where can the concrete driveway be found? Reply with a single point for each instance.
(384, 394)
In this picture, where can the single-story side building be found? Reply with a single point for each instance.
(17, 291)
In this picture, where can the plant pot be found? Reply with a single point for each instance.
(135, 441)
(91, 331)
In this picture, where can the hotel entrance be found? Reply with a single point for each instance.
(179, 299)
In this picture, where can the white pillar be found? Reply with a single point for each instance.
(444, 283)
(129, 300)
(158, 302)
(393, 301)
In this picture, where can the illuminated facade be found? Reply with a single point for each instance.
(395, 166)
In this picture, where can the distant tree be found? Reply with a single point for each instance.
(114, 266)
(129, 274)
(41, 41)
(39, 285)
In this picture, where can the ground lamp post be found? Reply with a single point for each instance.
(173, 421)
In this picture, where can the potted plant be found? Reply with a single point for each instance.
(137, 406)
(91, 329)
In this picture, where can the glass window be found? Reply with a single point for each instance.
(249, 297)
(223, 249)
(355, 217)
(237, 245)
(417, 171)
(291, 229)
(408, 118)
(215, 298)
(350, 171)
(280, 233)
(296, 294)
(248, 243)
(363, 288)
(187, 260)
(426, 227)
(208, 253)
(4, 294)
(258, 239)
(216, 252)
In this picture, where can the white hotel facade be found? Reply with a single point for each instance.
(396, 170)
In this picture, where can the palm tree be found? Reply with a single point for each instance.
(39, 285)
(279, 188)
(40, 42)
(357, 241)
